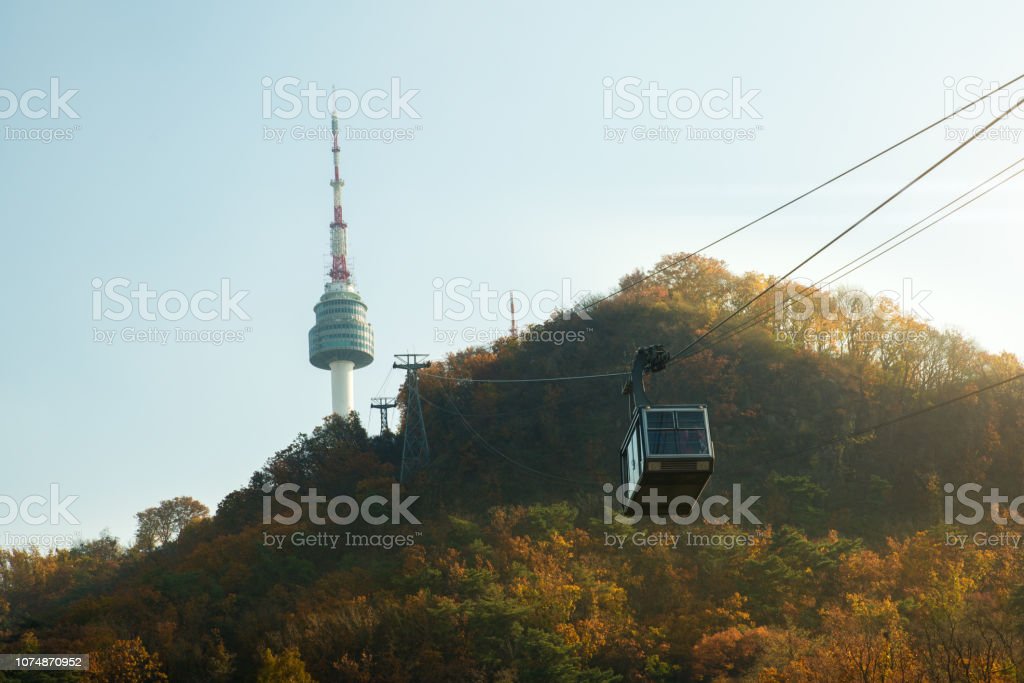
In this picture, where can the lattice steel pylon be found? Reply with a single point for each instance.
(383, 405)
(415, 449)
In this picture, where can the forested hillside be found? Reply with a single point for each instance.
(510, 575)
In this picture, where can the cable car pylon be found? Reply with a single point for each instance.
(383, 405)
(667, 454)
(415, 449)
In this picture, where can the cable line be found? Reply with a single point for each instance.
(700, 338)
(501, 454)
(524, 379)
(868, 430)
(978, 133)
(815, 287)
(818, 286)
(801, 196)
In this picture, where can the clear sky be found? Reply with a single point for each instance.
(169, 179)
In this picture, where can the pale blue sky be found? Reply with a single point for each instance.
(168, 180)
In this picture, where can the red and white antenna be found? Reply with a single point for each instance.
(339, 230)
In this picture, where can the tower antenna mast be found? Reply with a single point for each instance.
(339, 229)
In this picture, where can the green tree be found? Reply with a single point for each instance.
(163, 523)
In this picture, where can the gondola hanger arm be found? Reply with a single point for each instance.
(648, 359)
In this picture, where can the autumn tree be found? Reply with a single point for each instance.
(126, 661)
(286, 667)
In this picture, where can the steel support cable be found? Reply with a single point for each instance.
(820, 284)
(978, 133)
(801, 196)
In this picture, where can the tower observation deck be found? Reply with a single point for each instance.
(342, 339)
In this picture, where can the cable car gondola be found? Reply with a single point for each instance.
(668, 448)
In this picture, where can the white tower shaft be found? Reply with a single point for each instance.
(342, 387)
